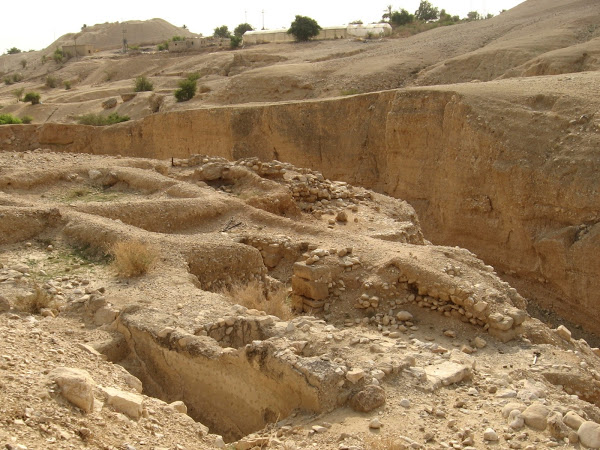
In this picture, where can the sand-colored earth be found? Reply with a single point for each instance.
(286, 308)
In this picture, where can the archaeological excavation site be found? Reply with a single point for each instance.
(350, 244)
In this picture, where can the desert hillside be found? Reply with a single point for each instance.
(345, 244)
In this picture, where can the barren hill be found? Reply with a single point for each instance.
(302, 281)
(109, 36)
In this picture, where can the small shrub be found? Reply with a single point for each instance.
(109, 75)
(27, 119)
(351, 91)
(253, 296)
(51, 81)
(186, 91)
(67, 84)
(36, 301)
(32, 97)
(23, 63)
(235, 41)
(58, 56)
(19, 94)
(99, 120)
(142, 84)
(178, 38)
(163, 46)
(9, 119)
(385, 443)
(133, 258)
(17, 77)
(13, 51)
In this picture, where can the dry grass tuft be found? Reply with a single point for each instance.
(133, 258)
(253, 296)
(386, 443)
(36, 301)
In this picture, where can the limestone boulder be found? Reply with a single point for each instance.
(76, 386)
(536, 416)
(124, 402)
(589, 434)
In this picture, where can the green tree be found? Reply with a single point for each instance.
(13, 51)
(426, 11)
(473, 15)
(178, 38)
(387, 13)
(222, 32)
(32, 97)
(303, 28)
(241, 29)
(401, 17)
(142, 84)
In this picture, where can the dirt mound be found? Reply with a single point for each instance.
(108, 36)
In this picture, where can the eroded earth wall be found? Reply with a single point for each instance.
(514, 180)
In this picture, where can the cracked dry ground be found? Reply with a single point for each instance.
(380, 339)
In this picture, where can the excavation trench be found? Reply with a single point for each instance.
(233, 391)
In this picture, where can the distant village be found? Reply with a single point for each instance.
(186, 44)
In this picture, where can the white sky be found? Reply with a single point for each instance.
(35, 24)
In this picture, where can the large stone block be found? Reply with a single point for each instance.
(312, 273)
(447, 373)
(124, 402)
(311, 289)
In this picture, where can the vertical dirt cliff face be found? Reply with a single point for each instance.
(495, 176)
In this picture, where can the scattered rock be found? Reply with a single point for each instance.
(355, 375)
(589, 434)
(76, 385)
(563, 332)
(573, 420)
(403, 316)
(368, 399)
(375, 423)
(490, 435)
(179, 406)
(479, 342)
(536, 416)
